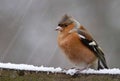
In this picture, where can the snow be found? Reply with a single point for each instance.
(71, 71)
(29, 67)
(102, 71)
(58, 70)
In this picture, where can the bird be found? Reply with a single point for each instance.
(78, 44)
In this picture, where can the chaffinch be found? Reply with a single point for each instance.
(78, 45)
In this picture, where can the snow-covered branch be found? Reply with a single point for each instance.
(58, 70)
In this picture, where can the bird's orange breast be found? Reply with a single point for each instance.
(75, 50)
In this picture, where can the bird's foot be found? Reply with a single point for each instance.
(79, 70)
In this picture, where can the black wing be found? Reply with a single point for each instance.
(93, 46)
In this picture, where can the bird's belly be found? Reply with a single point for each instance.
(76, 51)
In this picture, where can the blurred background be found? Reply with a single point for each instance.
(27, 29)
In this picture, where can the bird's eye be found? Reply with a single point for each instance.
(62, 25)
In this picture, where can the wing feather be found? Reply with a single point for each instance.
(93, 46)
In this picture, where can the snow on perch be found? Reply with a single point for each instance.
(58, 70)
(29, 67)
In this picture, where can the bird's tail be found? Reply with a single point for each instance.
(101, 59)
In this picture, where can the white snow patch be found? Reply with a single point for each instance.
(71, 71)
(29, 67)
(102, 71)
(58, 70)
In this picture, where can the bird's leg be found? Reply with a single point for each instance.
(81, 69)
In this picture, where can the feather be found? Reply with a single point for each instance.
(93, 46)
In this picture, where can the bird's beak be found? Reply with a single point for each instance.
(59, 28)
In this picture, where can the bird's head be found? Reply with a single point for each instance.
(67, 23)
